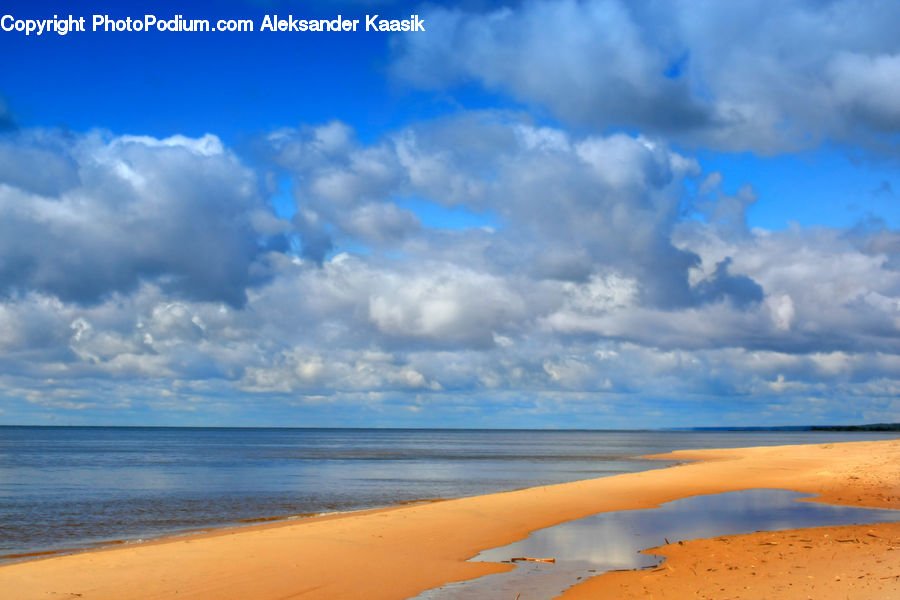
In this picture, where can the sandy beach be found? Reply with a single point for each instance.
(396, 552)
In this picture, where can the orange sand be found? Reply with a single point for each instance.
(860, 562)
(825, 563)
(397, 552)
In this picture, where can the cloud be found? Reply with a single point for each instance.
(754, 77)
(864, 85)
(380, 224)
(143, 270)
(739, 289)
(83, 217)
(570, 206)
(437, 305)
(547, 53)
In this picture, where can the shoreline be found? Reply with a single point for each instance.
(201, 532)
(242, 525)
(398, 551)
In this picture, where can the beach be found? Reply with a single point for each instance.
(430, 300)
(397, 552)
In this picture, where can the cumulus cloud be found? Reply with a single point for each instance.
(143, 270)
(86, 216)
(570, 207)
(758, 76)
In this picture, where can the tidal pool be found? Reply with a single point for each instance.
(609, 541)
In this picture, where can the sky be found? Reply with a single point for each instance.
(543, 214)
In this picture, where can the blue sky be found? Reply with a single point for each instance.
(533, 214)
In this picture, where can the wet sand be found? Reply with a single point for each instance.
(859, 561)
(400, 551)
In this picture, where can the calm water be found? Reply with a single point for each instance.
(68, 487)
(609, 541)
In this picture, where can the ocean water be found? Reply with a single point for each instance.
(73, 487)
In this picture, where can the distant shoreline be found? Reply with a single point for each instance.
(795, 428)
(869, 427)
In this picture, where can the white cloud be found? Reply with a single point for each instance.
(756, 76)
(113, 212)
(590, 293)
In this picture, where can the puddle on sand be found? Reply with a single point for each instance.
(609, 541)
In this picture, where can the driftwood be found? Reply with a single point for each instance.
(530, 559)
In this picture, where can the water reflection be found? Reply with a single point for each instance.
(610, 541)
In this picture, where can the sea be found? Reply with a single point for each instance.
(68, 488)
